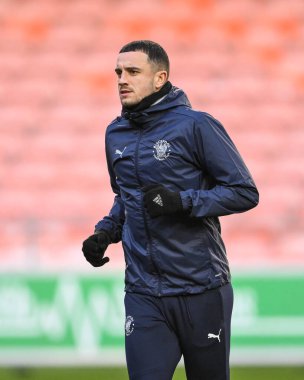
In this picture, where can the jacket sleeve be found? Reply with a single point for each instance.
(231, 188)
(113, 222)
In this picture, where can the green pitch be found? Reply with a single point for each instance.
(248, 373)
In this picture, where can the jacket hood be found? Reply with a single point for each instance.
(175, 98)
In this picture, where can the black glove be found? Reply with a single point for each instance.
(160, 201)
(94, 248)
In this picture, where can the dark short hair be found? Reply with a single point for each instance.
(156, 54)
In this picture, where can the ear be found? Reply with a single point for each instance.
(160, 79)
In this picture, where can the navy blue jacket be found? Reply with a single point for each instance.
(186, 151)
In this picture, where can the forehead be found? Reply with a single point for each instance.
(132, 59)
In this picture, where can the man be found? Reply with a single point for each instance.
(174, 171)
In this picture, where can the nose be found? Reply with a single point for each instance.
(122, 79)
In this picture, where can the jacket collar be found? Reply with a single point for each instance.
(175, 97)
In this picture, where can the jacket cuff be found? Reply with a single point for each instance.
(186, 201)
(112, 230)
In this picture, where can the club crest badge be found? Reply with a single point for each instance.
(161, 150)
(129, 325)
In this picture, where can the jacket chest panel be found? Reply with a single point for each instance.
(161, 154)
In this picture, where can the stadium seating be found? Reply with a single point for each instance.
(241, 61)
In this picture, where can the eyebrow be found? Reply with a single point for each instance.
(131, 68)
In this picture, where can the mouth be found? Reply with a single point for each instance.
(124, 92)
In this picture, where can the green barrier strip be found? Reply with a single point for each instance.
(66, 318)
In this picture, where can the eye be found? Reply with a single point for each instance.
(118, 72)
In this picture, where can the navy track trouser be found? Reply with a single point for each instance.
(159, 330)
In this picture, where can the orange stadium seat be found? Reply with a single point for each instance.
(241, 61)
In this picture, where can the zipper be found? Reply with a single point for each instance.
(143, 211)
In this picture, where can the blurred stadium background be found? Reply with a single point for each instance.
(240, 60)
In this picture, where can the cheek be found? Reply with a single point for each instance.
(148, 88)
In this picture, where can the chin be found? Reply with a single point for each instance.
(129, 103)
